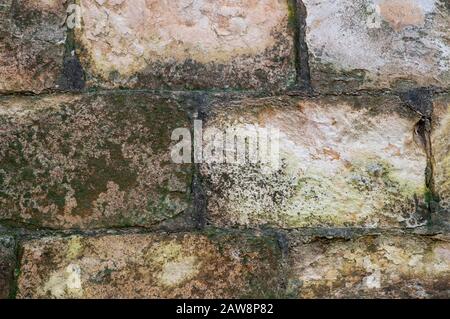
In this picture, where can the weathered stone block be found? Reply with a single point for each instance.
(343, 162)
(7, 265)
(32, 44)
(440, 140)
(368, 44)
(370, 267)
(149, 266)
(187, 44)
(89, 161)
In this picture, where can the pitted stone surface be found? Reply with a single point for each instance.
(373, 44)
(7, 265)
(344, 162)
(370, 267)
(187, 44)
(149, 266)
(32, 44)
(90, 161)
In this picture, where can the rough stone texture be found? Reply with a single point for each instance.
(149, 266)
(91, 201)
(93, 160)
(7, 264)
(187, 44)
(32, 44)
(370, 267)
(367, 44)
(441, 152)
(345, 161)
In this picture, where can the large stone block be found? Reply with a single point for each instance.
(89, 161)
(374, 44)
(440, 140)
(7, 265)
(187, 44)
(32, 44)
(370, 267)
(343, 162)
(149, 266)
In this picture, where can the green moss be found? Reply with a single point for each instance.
(134, 108)
(101, 172)
(27, 174)
(24, 17)
(57, 195)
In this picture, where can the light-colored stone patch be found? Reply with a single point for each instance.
(371, 267)
(65, 284)
(176, 272)
(149, 266)
(344, 162)
(367, 44)
(123, 39)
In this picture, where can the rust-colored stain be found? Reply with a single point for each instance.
(331, 153)
(394, 150)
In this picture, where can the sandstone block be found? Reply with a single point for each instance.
(90, 161)
(149, 266)
(32, 44)
(371, 267)
(186, 44)
(376, 44)
(343, 162)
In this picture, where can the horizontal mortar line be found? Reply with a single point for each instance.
(333, 233)
(250, 93)
(142, 90)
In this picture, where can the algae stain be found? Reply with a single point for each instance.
(74, 248)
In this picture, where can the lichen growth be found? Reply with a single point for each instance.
(108, 166)
(344, 163)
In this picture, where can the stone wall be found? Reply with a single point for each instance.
(93, 206)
